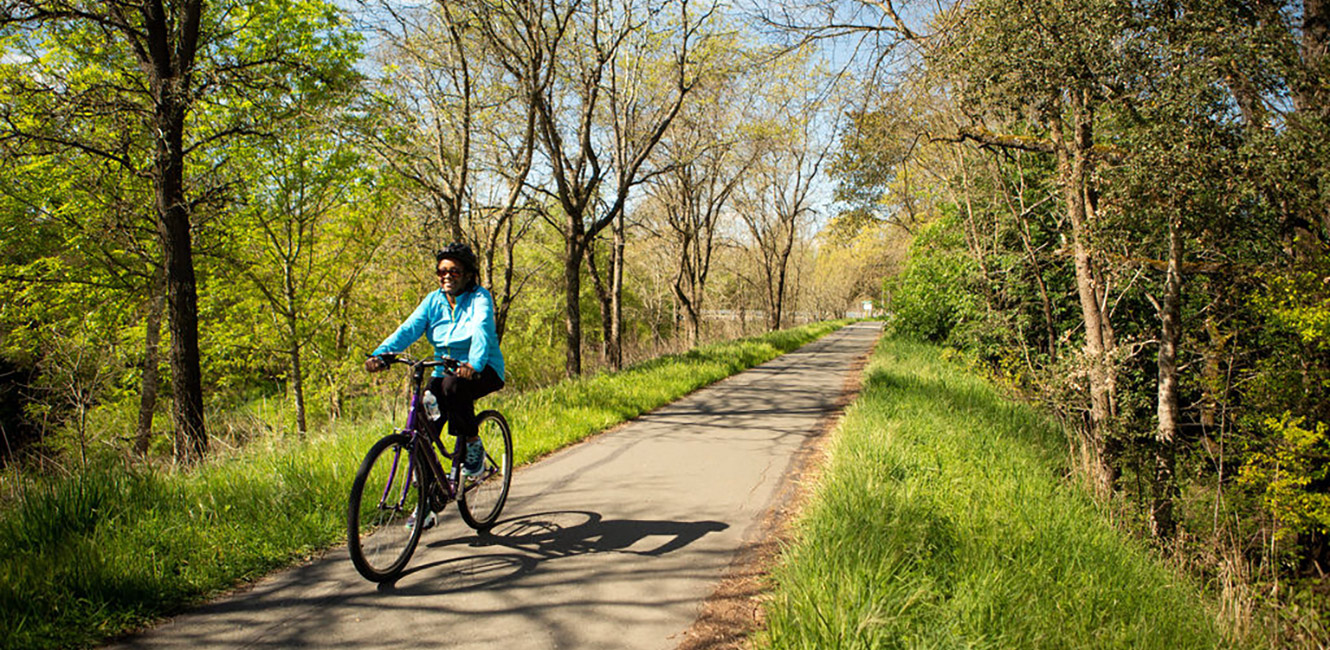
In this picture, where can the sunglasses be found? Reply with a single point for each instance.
(455, 272)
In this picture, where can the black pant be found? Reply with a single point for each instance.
(457, 399)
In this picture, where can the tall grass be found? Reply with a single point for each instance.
(86, 558)
(944, 519)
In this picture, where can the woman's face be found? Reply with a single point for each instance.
(452, 276)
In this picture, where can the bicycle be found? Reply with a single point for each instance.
(406, 482)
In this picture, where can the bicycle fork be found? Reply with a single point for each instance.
(392, 478)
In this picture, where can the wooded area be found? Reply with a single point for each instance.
(212, 211)
(1122, 209)
(235, 201)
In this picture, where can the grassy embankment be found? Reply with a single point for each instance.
(944, 520)
(89, 557)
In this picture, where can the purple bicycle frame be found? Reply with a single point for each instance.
(432, 461)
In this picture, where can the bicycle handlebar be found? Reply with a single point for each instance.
(448, 363)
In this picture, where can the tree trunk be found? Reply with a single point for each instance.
(1312, 105)
(168, 59)
(685, 306)
(614, 339)
(1310, 95)
(506, 294)
(297, 385)
(572, 283)
(694, 327)
(291, 312)
(609, 293)
(152, 338)
(603, 299)
(186, 376)
(698, 271)
(769, 315)
(341, 347)
(782, 271)
(1072, 172)
(1162, 522)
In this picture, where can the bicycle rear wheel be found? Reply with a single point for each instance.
(481, 500)
(387, 490)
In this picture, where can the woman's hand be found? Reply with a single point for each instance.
(375, 364)
(465, 371)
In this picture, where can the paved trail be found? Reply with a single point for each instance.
(614, 543)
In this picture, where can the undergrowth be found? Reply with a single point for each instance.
(945, 519)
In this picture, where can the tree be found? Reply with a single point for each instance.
(1147, 182)
(708, 151)
(178, 78)
(568, 58)
(777, 198)
(1054, 66)
(82, 233)
(311, 224)
(164, 43)
(693, 196)
(428, 105)
(854, 252)
(457, 124)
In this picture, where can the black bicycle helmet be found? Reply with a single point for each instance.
(457, 252)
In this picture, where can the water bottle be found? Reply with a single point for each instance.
(431, 405)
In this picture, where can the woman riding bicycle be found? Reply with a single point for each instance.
(458, 320)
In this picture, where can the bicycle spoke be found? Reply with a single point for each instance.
(380, 533)
(482, 499)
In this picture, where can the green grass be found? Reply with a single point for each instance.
(87, 558)
(944, 520)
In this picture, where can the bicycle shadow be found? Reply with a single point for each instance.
(541, 537)
(551, 534)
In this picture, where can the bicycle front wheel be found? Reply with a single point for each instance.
(482, 498)
(381, 532)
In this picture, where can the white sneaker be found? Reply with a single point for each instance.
(429, 521)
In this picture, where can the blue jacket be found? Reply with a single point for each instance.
(465, 332)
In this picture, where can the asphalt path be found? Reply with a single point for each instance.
(613, 543)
